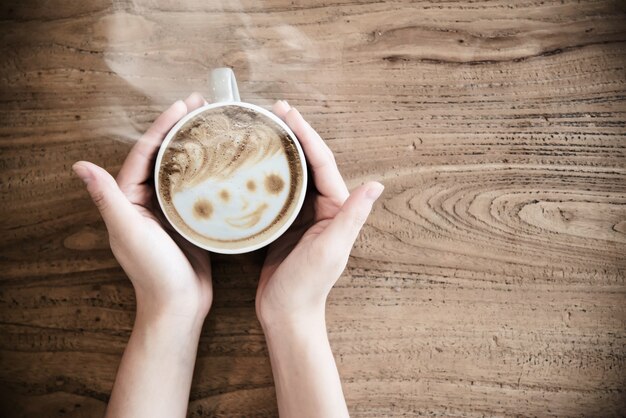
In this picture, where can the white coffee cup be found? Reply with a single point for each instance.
(224, 92)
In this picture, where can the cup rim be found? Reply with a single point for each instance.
(300, 200)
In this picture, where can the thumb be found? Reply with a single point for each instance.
(345, 227)
(118, 213)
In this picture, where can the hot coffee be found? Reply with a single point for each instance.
(231, 177)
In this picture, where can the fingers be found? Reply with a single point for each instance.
(280, 108)
(118, 213)
(194, 101)
(326, 175)
(344, 229)
(139, 164)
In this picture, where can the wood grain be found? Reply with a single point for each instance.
(490, 279)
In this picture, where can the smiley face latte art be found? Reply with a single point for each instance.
(230, 176)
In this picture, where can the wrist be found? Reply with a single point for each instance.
(167, 334)
(300, 325)
(272, 313)
(169, 315)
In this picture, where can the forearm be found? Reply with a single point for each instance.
(305, 374)
(154, 376)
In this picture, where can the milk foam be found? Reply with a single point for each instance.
(235, 218)
(231, 176)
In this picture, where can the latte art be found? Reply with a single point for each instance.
(217, 144)
(229, 176)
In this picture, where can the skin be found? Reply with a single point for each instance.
(172, 280)
(300, 269)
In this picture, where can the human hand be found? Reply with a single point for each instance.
(170, 275)
(302, 266)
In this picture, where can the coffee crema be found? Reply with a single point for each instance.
(230, 177)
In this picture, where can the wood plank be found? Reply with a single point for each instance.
(490, 278)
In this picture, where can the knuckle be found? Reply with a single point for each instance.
(100, 200)
(358, 219)
(331, 258)
(124, 238)
(324, 253)
(337, 262)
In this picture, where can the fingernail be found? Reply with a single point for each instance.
(374, 191)
(177, 103)
(285, 103)
(82, 172)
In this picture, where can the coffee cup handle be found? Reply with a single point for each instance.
(224, 86)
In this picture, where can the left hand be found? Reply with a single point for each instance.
(303, 265)
(170, 275)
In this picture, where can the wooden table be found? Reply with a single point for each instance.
(490, 279)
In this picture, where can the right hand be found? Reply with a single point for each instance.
(171, 277)
(302, 266)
